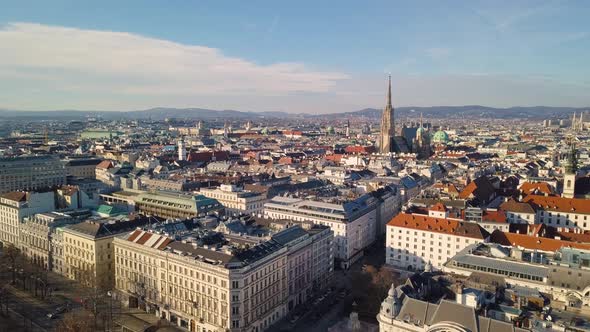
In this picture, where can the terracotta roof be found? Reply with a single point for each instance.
(105, 164)
(285, 160)
(559, 204)
(533, 242)
(536, 187)
(334, 157)
(498, 216)
(439, 207)
(359, 149)
(439, 225)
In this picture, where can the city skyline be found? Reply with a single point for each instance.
(276, 58)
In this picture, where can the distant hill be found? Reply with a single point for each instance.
(468, 111)
(449, 112)
(159, 113)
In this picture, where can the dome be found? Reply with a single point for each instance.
(264, 131)
(420, 131)
(440, 137)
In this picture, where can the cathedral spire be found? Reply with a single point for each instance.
(389, 92)
(387, 124)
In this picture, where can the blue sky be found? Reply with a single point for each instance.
(296, 56)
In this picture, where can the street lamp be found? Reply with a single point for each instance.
(111, 295)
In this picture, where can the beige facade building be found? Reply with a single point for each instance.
(220, 287)
(88, 249)
(82, 168)
(236, 201)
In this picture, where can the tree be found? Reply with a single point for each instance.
(370, 287)
(12, 255)
(73, 323)
(94, 301)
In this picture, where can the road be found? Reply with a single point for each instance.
(335, 306)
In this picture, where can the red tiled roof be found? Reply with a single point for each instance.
(334, 157)
(439, 207)
(438, 225)
(559, 204)
(286, 160)
(105, 164)
(359, 149)
(498, 216)
(539, 187)
(468, 190)
(17, 196)
(533, 242)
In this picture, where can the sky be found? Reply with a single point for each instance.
(293, 56)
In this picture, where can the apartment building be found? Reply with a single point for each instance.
(82, 167)
(221, 286)
(176, 205)
(236, 201)
(390, 202)
(15, 206)
(31, 173)
(310, 261)
(88, 251)
(36, 236)
(354, 222)
(419, 242)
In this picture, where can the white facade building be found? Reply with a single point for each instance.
(414, 240)
(354, 223)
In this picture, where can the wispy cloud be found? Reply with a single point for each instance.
(507, 17)
(273, 25)
(125, 63)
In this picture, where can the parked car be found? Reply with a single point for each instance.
(56, 312)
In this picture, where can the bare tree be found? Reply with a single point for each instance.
(12, 255)
(371, 285)
(73, 323)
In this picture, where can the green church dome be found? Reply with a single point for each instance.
(440, 137)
